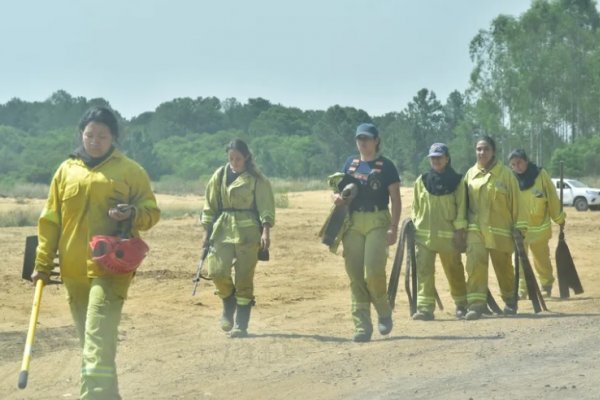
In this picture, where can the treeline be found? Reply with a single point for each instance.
(535, 84)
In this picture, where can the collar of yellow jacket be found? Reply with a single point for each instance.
(116, 154)
(242, 179)
(496, 167)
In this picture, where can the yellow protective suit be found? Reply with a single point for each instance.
(436, 218)
(540, 204)
(235, 230)
(493, 213)
(77, 209)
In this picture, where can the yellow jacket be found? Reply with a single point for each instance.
(77, 209)
(539, 204)
(493, 207)
(437, 217)
(238, 226)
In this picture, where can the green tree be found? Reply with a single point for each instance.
(183, 116)
(337, 128)
(537, 75)
(280, 121)
(424, 123)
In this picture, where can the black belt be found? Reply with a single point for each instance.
(237, 209)
(370, 208)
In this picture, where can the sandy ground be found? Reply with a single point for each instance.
(299, 347)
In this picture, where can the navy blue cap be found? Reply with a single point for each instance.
(367, 129)
(438, 149)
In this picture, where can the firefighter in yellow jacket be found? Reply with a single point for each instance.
(239, 205)
(371, 230)
(438, 212)
(83, 199)
(493, 214)
(539, 202)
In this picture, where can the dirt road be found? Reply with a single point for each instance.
(299, 347)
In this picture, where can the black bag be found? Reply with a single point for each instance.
(263, 254)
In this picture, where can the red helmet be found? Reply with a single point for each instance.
(119, 256)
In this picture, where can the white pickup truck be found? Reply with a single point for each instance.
(578, 194)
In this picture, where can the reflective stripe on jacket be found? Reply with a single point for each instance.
(493, 206)
(238, 226)
(539, 204)
(77, 209)
(437, 217)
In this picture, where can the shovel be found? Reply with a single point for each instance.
(35, 311)
(31, 243)
(565, 267)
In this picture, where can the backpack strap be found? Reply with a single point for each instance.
(356, 162)
(220, 186)
(378, 166)
(353, 166)
(220, 202)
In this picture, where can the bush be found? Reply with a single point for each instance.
(180, 212)
(25, 190)
(282, 200)
(580, 158)
(408, 178)
(297, 185)
(19, 217)
(170, 184)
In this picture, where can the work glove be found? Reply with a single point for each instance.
(460, 240)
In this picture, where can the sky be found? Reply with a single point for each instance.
(311, 54)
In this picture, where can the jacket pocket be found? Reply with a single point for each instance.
(71, 190)
(500, 197)
(538, 207)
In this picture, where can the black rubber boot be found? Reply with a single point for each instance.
(461, 311)
(423, 316)
(241, 321)
(510, 308)
(385, 325)
(229, 304)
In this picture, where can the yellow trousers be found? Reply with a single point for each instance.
(455, 273)
(242, 258)
(477, 272)
(96, 305)
(365, 257)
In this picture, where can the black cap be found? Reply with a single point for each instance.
(367, 129)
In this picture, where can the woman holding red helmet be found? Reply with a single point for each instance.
(93, 194)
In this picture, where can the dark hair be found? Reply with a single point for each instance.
(242, 147)
(518, 153)
(100, 115)
(488, 140)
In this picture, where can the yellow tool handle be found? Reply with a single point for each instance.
(35, 311)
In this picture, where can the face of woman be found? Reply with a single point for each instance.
(97, 139)
(237, 161)
(438, 163)
(518, 165)
(484, 153)
(366, 145)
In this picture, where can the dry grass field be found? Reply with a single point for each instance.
(299, 347)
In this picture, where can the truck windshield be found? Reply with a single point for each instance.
(577, 184)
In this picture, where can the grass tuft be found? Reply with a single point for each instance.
(19, 217)
(282, 200)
